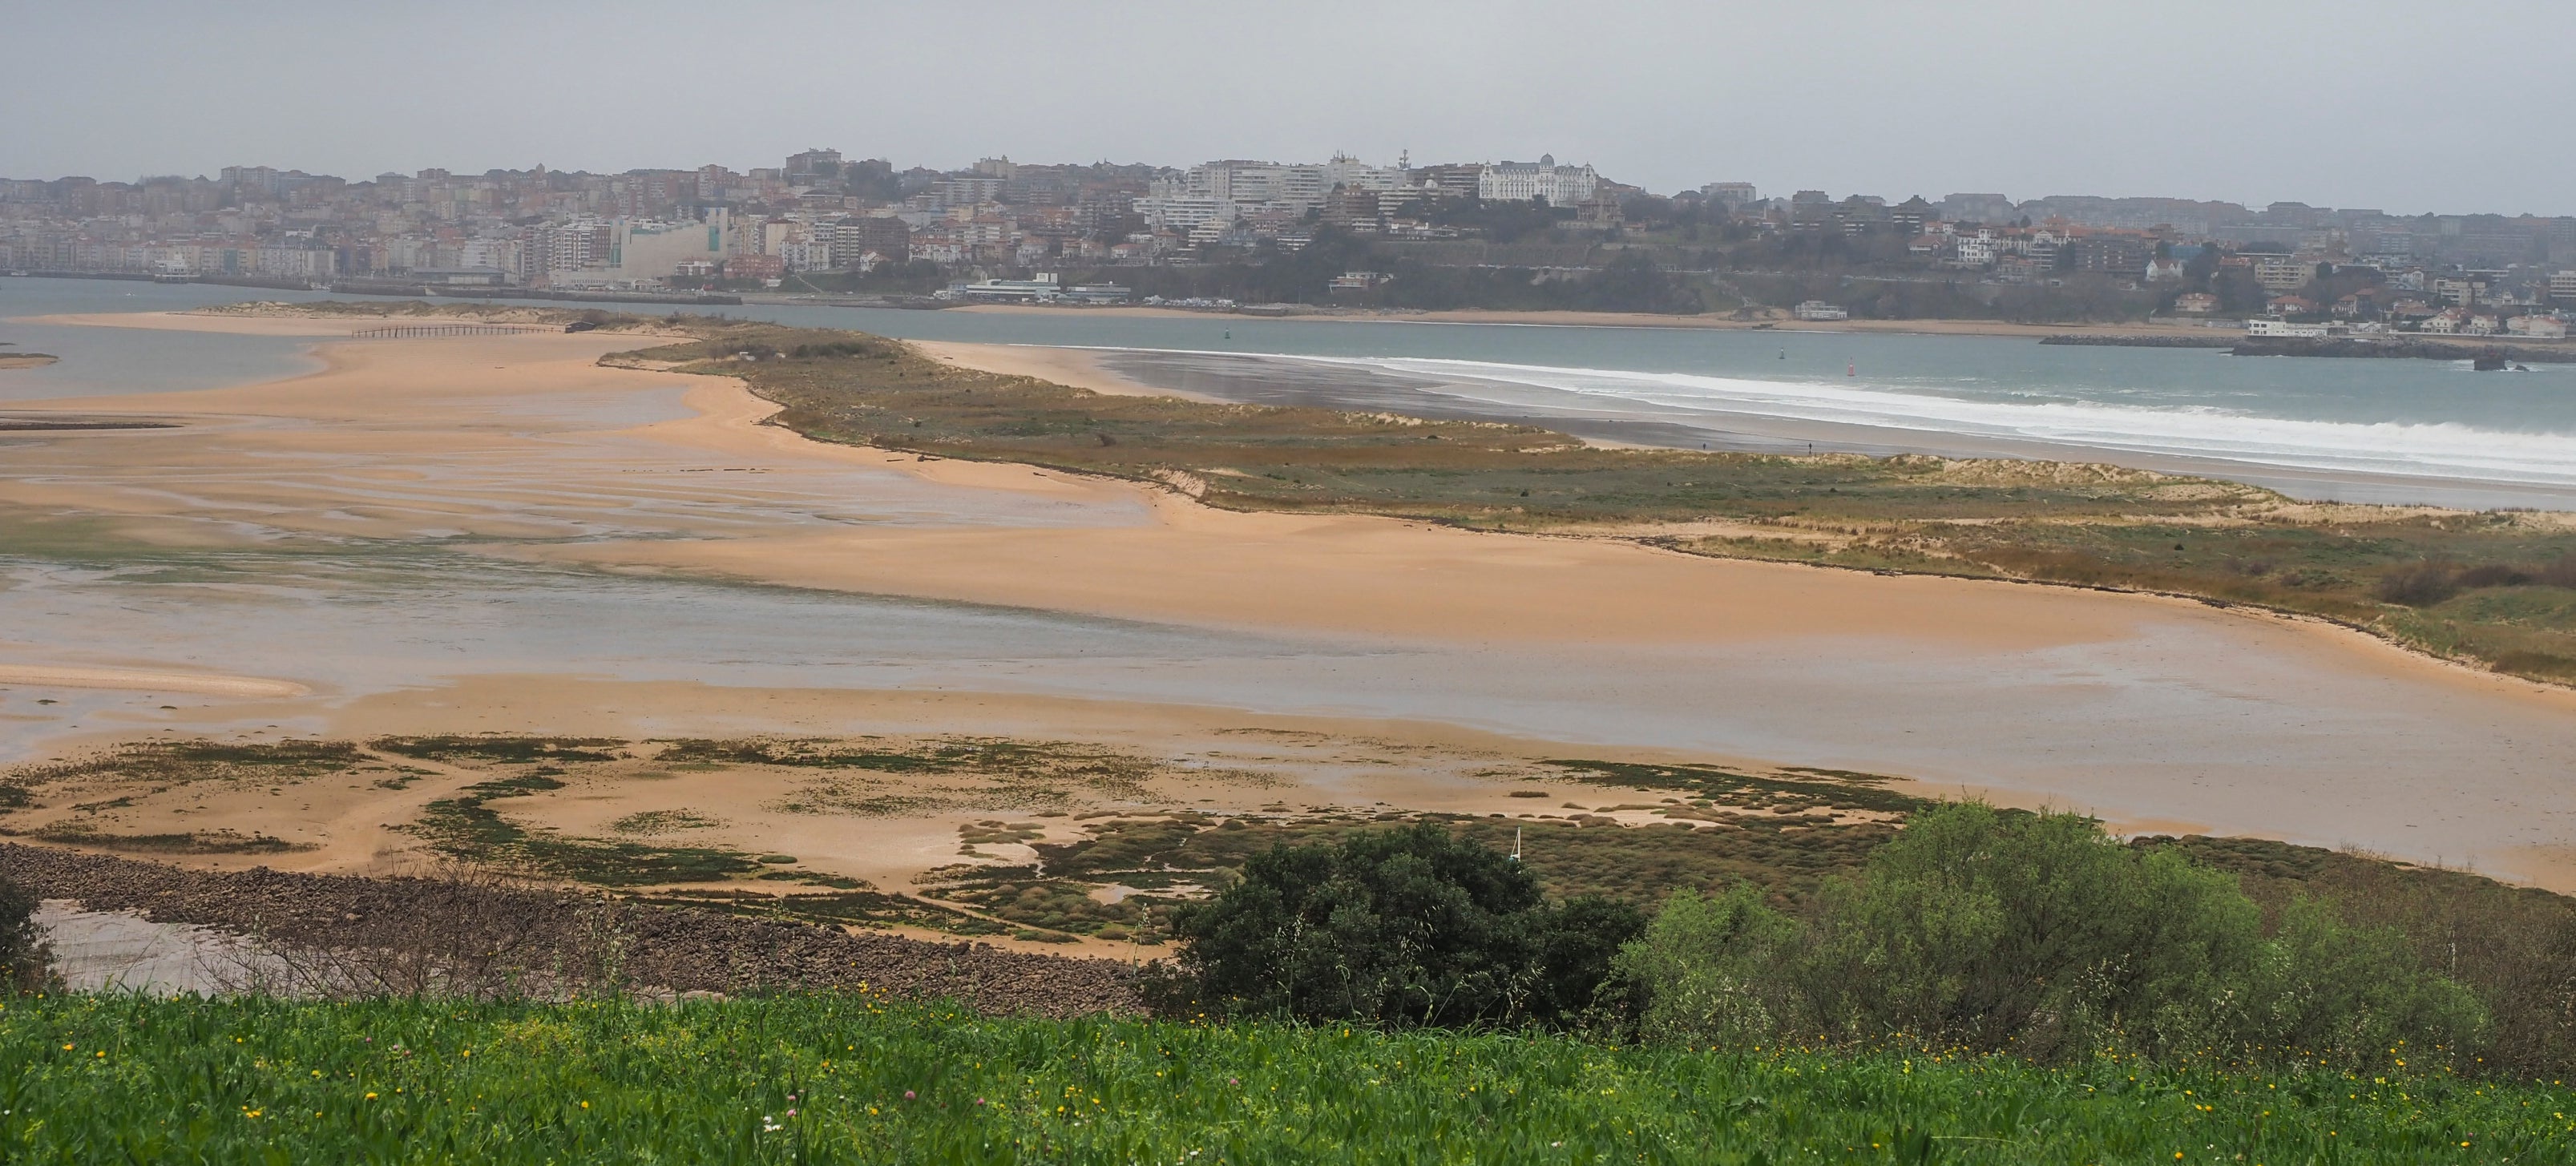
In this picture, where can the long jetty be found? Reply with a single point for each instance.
(415, 331)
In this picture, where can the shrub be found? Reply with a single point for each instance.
(1578, 942)
(2492, 575)
(1406, 927)
(2032, 930)
(2349, 993)
(1701, 972)
(2418, 585)
(2559, 572)
(2040, 934)
(25, 961)
(2515, 947)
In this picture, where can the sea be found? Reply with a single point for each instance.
(2400, 431)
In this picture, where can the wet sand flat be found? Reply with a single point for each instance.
(522, 453)
(1063, 366)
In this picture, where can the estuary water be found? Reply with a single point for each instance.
(2183, 715)
(100, 361)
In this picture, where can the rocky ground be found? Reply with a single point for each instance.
(461, 931)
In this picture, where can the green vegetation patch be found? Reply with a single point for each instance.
(188, 842)
(176, 762)
(877, 778)
(663, 822)
(1054, 904)
(853, 1078)
(856, 905)
(503, 749)
(1165, 860)
(840, 386)
(468, 827)
(2511, 945)
(1101, 769)
(1825, 789)
(999, 832)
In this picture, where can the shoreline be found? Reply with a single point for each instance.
(2230, 330)
(395, 410)
(1073, 367)
(1292, 380)
(1577, 319)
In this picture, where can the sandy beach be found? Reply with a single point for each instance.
(523, 449)
(1064, 366)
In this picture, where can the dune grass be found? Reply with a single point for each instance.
(855, 1078)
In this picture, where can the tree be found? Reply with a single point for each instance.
(2239, 293)
(1579, 942)
(1406, 927)
(1633, 283)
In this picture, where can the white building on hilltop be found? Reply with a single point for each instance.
(1543, 179)
(1224, 191)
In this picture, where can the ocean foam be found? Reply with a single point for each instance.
(2439, 450)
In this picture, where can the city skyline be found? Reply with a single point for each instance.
(2359, 107)
(1768, 191)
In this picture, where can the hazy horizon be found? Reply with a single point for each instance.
(2373, 105)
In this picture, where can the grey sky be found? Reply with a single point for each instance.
(2407, 107)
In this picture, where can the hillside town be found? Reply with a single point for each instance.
(1339, 234)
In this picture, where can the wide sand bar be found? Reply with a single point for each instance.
(522, 453)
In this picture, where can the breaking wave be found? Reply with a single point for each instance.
(2425, 450)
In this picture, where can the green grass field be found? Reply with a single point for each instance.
(852, 1078)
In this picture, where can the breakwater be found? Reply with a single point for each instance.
(2486, 355)
(2222, 340)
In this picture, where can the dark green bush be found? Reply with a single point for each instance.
(24, 959)
(1404, 927)
(2418, 585)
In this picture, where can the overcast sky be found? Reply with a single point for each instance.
(2406, 107)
